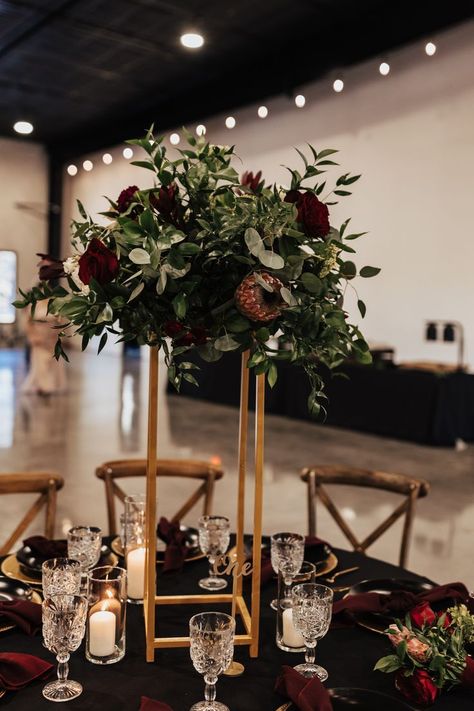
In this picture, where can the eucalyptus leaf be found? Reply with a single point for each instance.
(271, 259)
(261, 282)
(139, 256)
(253, 241)
(226, 343)
(288, 297)
(311, 283)
(137, 290)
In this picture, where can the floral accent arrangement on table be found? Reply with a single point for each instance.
(430, 652)
(215, 264)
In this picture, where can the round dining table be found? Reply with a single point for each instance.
(349, 654)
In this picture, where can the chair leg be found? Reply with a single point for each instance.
(51, 509)
(110, 500)
(311, 491)
(408, 526)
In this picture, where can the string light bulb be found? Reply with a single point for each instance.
(201, 130)
(430, 48)
(88, 165)
(338, 86)
(300, 101)
(72, 169)
(23, 127)
(262, 112)
(384, 68)
(107, 158)
(192, 40)
(174, 139)
(127, 153)
(230, 122)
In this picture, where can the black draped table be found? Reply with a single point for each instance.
(348, 654)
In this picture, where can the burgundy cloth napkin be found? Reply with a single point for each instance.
(312, 543)
(398, 602)
(306, 694)
(24, 614)
(147, 704)
(18, 670)
(176, 546)
(46, 548)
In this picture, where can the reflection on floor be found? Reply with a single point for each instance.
(103, 416)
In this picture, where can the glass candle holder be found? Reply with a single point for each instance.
(107, 608)
(135, 552)
(135, 507)
(287, 636)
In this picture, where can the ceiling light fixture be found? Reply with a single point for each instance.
(230, 122)
(430, 48)
(23, 127)
(174, 139)
(127, 153)
(300, 101)
(384, 68)
(192, 40)
(262, 112)
(72, 169)
(107, 158)
(338, 86)
(201, 130)
(88, 165)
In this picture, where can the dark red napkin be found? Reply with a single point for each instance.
(312, 543)
(45, 548)
(176, 546)
(398, 603)
(24, 614)
(147, 704)
(306, 694)
(18, 670)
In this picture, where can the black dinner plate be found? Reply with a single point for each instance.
(13, 589)
(349, 699)
(30, 562)
(384, 586)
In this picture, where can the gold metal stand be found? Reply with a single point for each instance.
(250, 618)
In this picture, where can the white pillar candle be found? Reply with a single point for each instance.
(291, 636)
(102, 633)
(136, 573)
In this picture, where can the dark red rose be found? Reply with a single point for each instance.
(199, 335)
(125, 198)
(173, 328)
(422, 615)
(50, 267)
(164, 201)
(312, 213)
(419, 688)
(98, 262)
(467, 677)
(251, 181)
(186, 340)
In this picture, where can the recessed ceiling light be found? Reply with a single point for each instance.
(384, 68)
(201, 130)
(192, 40)
(72, 169)
(23, 127)
(430, 48)
(107, 158)
(127, 153)
(230, 122)
(262, 112)
(88, 165)
(300, 101)
(338, 86)
(174, 139)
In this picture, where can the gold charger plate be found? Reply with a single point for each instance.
(36, 598)
(117, 548)
(11, 568)
(2, 693)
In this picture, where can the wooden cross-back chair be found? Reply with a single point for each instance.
(316, 479)
(46, 484)
(205, 472)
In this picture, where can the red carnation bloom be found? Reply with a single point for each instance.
(251, 181)
(98, 262)
(422, 615)
(125, 198)
(419, 688)
(173, 328)
(50, 267)
(165, 202)
(312, 213)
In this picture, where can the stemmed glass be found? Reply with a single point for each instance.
(61, 576)
(64, 620)
(312, 612)
(84, 544)
(214, 536)
(287, 554)
(212, 649)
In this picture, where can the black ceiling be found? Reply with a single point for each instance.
(89, 73)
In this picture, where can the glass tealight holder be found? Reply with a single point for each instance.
(134, 508)
(107, 608)
(287, 636)
(135, 552)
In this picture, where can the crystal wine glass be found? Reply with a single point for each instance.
(287, 554)
(212, 649)
(61, 576)
(84, 544)
(312, 612)
(214, 536)
(64, 620)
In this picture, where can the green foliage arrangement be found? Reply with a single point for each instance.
(207, 261)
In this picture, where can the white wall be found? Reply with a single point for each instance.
(411, 134)
(24, 180)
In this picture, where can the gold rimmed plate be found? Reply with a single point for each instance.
(327, 565)
(12, 569)
(16, 590)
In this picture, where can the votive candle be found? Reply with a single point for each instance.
(136, 573)
(102, 626)
(291, 636)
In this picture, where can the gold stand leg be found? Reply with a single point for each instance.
(150, 561)
(242, 463)
(257, 510)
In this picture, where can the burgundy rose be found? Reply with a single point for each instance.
(173, 328)
(199, 335)
(50, 267)
(422, 615)
(165, 202)
(419, 688)
(185, 340)
(312, 213)
(98, 262)
(125, 198)
(251, 181)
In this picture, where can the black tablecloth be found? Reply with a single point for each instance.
(348, 654)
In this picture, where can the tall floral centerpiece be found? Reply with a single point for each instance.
(202, 260)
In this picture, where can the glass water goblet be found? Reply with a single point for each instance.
(287, 554)
(212, 650)
(214, 536)
(61, 576)
(84, 544)
(312, 612)
(64, 620)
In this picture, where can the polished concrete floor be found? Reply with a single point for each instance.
(103, 416)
